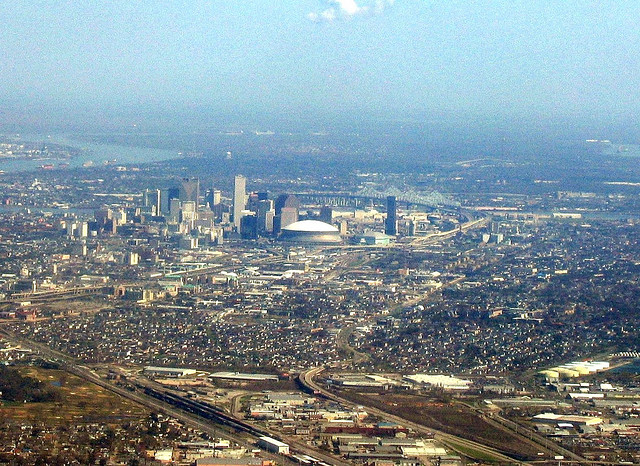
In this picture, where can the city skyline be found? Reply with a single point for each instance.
(319, 232)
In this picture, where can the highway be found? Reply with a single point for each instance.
(451, 441)
(550, 448)
(190, 419)
(65, 293)
(195, 414)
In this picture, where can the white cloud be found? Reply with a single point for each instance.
(345, 9)
(382, 4)
(350, 7)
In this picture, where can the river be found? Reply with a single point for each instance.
(91, 153)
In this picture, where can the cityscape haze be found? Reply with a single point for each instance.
(323, 232)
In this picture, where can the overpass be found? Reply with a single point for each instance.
(64, 293)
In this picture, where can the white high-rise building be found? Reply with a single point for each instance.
(239, 199)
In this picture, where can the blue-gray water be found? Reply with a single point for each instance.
(95, 153)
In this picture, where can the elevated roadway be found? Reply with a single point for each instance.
(66, 293)
(201, 416)
(307, 379)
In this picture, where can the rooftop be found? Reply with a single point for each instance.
(311, 226)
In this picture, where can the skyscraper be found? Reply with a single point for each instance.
(152, 200)
(189, 190)
(326, 214)
(239, 200)
(166, 196)
(249, 228)
(216, 197)
(265, 214)
(287, 206)
(391, 222)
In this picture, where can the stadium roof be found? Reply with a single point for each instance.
(312, 226)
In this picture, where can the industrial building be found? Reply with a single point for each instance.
(273, 445)
(552, 418)
(446, 382)
(373, 238)
(244, 377)
(245, 461)
(168, 371)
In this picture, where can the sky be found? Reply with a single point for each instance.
(356, 58)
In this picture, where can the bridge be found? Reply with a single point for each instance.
(368, 196)
(64, 293)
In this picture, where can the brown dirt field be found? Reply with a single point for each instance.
(453, 418)
(82, 402)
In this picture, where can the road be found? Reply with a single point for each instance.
(434, 237)
(549, 447)
(451, 441)
(188, 419)
(66, 293)
(345, 333)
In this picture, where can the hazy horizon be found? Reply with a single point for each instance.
(320, 61)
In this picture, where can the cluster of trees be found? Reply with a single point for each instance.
(16, 387)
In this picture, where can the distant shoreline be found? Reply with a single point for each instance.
(81, 154)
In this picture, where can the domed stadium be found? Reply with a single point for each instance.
(310, 232)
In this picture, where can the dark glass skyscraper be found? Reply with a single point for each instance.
(391, 223)
(189, 190)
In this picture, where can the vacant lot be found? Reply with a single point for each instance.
(451, 417)
(80, 402)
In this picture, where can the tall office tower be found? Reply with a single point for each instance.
(216, 198)
(326, 214)
(103, 216)
(287, 206)
(72, 228)
(188, 211)
(151, 200)
(391, 222)
(286, 200)
(121, 216)
(252, 202)
(189, 190)
(147, 196)
(269, 221)
(84, 229)
(264, 220)
(249, 226)
(174, 210)
(165, 198)
(164, 201)
(239, 200)
(288, 215)
(263, 196)
(157, 207)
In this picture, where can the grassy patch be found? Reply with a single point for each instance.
(472, 453)
(80, 402)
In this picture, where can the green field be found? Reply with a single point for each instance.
(81, 402)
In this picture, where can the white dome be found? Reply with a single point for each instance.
(313, 226)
